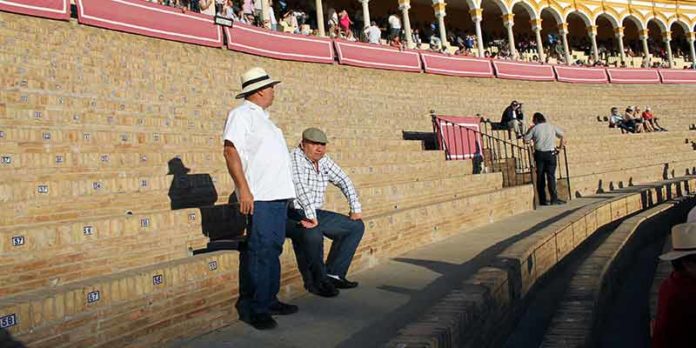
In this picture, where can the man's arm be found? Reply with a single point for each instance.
(299, 172)
(234, 167)
(561, 136)
(339, 178)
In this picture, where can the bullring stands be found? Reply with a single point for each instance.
(103, 134)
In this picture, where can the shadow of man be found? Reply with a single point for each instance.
(221, 223)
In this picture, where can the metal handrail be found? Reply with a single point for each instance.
(495, 150)
(492, 152)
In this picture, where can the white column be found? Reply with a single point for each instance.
(690, 37)
(439, 8)
(366, 12)
(536, 27)
(477, 17)
(619, 33)
(592, 32)
(405, 5)
(563, 30)
(644, 38)
(667, 37)
(320, 18)
(509, 22)
(265, 17)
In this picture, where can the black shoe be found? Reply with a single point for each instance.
(558, 202)
(324, 288)
(260, 321)
(343, 283)
(280, 308)
(544, 203)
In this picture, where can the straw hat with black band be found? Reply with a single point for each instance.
(683, 242)
(253, 80)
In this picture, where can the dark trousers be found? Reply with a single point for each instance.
(546, 171)
(259, 258)
(309, 244)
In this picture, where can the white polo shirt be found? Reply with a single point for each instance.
(262, 150)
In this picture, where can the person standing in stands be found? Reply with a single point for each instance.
(257, 159)
(675, 322)
(307, 224)
(513, 118)
(544, 135)
(373, 33)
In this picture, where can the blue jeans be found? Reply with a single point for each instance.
(309, 244)
(259, 258)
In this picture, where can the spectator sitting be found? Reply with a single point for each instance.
(289, 23)
(616, 120)
(675, 321)
(513, 118)
(650, 119)
(396, 42)
(637, 116)
(373, 33)
(416, 37)
(435, 43)
(629, 123)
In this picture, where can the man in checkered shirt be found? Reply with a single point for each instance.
(308, 223)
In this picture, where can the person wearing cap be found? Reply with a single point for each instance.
(257, 159)
(513, 118)
(544, 136)
(675, 322)
(312, 171)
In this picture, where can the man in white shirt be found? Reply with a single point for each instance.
(257, 159)
(312, 171)
(373, 33)
(394, 26)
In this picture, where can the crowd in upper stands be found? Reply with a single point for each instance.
(299, 17)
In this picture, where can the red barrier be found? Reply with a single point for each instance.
(375, 56)
(678, 76)
(618, 75)
(150, 19)
(262, 42)
(54, 9)
(574, 74)
(523, 71)
(459, 143)
(435, 63)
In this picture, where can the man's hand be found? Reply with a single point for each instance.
(355, 216)
(246, 202)
(306, 223)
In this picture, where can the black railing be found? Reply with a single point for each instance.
(491, 154)
(562, 169)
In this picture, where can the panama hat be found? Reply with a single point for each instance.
(683, 242)
(253, 80)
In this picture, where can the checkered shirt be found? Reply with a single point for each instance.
(310, 184)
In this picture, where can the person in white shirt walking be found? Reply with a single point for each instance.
(544, 135)
(312, 171)
(257, 159)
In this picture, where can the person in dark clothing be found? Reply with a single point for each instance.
(544, 136)
(675, 322)
(513, 118)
